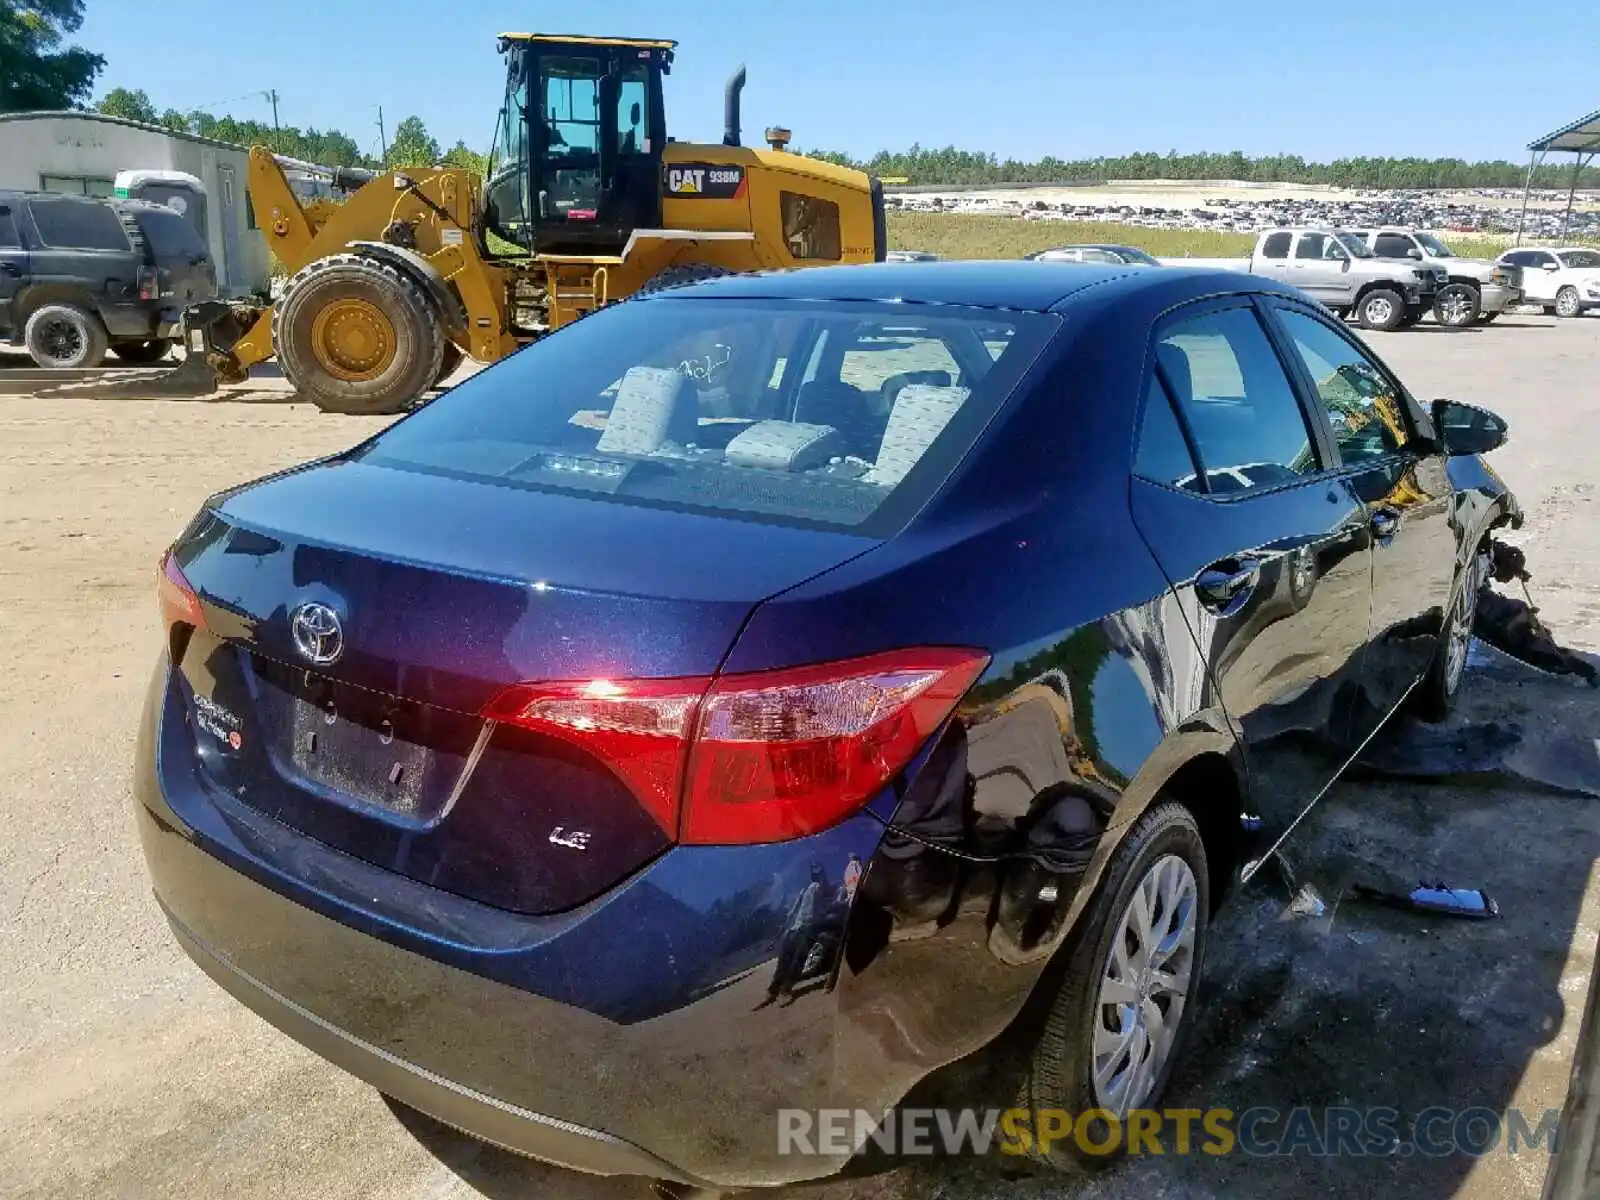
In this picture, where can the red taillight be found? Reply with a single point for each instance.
(760, 757)
(149, 283)
(179, 604)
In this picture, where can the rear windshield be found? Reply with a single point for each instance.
(67, 224)
(840, 415)
(168, 233)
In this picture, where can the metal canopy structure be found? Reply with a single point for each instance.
(1581, 139)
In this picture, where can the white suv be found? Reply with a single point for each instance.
(1565, 281)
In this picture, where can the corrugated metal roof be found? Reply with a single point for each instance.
(107, 119)
(1581, 137)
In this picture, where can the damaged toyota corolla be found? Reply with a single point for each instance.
(761, 695)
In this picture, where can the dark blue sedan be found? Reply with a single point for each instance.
(760, 695)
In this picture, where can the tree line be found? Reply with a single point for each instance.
(411, 146)
(41, 69)
(952, 166)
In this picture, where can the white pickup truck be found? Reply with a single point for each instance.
(1338, 269)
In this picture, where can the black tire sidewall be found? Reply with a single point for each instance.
(419, 336)
(680, 276)
(92, 332)
(1060, 1075)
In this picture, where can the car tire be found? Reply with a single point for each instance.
(1567, 302)
(1382, 309)
(1457, 305)
(1164, 848)
(679, 276)
(1488, 318)
(64, 337)
(1435, 697)
(357, 335)
(151, 351)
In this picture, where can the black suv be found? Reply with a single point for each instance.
(79, 275)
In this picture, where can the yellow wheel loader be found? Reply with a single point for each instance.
(587, 202)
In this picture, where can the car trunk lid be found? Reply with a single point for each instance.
(356, 620)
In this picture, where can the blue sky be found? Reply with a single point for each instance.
(1471, 78)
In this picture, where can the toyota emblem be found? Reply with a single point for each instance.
(317, 633)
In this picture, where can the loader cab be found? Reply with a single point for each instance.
(578, 152)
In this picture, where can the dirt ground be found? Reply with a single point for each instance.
(127, 1073)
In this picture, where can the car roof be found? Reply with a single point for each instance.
(1000, 284)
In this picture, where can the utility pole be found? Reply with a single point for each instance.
(277, 136)
(383, 140)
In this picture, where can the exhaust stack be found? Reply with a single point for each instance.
(730, 108)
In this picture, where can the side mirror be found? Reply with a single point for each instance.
(1414, 253)
(1468, 429)
(1552, 266)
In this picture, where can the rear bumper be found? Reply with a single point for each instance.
(506, 1125)
(627, 1036)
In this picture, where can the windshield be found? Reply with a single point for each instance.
(1133, 254)
(1434, 246)
(839, 415)
(1579, 258)
(1357, 248)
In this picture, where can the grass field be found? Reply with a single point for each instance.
(963, 235)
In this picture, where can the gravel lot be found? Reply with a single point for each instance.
(127, 1073)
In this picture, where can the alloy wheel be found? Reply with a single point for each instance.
(1144, 986)
(1458, 638)
(1456, 308)
(62, 340)
(1380, 311)
(1567, 302)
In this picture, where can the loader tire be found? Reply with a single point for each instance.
(448, 362)
(678, 276)
(356, 335)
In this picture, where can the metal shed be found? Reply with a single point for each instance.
(84, 152)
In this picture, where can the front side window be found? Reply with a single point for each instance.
(633, 115)
(1316, 246)
(570, 112)
(810, 226)
(1362, 406)
(836, 416)
(1237, 400)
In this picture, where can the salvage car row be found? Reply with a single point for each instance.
(1385, 278)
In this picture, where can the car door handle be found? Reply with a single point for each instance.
(1223, 583)
(11, 268)
(1384, 525)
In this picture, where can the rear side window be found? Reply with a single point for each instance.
(1163, 455)
(1248, 426)
(8, 231)
(77, 225)
(168, 234)
(810, 226)
(840, 416)
(1276, 245)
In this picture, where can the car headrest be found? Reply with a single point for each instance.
(920, 413)
(1174, 363)
(653, 405)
